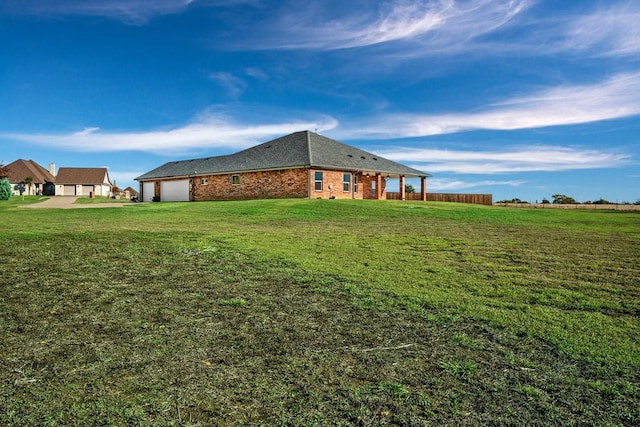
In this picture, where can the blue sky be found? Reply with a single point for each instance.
(518, 98)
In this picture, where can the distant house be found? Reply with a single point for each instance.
(300, 165)
(42, 180)
(130, 192)
(83, 182)
(127, 193)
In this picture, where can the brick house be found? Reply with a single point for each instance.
(300, 165)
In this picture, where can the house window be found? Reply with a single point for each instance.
(318, 181)
(346, 182)
(355, 183)
(204, 181)
(373, 188)
(235, 179)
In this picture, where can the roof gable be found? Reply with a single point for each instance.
(299, 149)
(20, 169)
(87, 176)
(332, 154)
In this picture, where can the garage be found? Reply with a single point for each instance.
(174, 191)
(147, 191)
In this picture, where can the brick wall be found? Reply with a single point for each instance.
(366, 182)
(332, 185)
(278, 184)
(335, 179)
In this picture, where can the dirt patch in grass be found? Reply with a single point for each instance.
(114, 329)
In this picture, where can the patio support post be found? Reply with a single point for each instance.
(402, 188)
(423, 188)
(379, 187)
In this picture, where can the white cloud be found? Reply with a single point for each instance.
(608, 31)
(437, 23)
(256, 73)
(87, 131)
(134, 12)
(526, 159)
(426, 28)
(233, 85)
(209, 131)
(615, 98)
(452, 184)
(611, 31)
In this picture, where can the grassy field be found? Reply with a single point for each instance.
(318, 312)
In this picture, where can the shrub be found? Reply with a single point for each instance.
(5, 189)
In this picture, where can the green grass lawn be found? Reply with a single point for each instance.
(319, 312)
(100, 200)
(15, 201)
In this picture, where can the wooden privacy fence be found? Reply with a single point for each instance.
(477, 199)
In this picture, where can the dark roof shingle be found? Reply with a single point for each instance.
(87, 176)
(20, 169)
(299, 149)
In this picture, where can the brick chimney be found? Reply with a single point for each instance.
(52, 169)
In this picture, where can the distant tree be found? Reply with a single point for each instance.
(601, 201)
(5, 189)
(29, 183)
(408, 188)
(514, 200)
(545, 201)
(561, 199)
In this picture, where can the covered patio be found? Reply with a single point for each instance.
(379, 185)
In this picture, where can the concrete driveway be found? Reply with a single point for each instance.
(67, 202)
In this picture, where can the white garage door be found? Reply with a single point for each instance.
(147, 191)
(87, 190)
(69, 190)
(174, 191)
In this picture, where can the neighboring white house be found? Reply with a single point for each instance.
(83, 182)
(29, 178)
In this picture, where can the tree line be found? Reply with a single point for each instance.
(563, 199)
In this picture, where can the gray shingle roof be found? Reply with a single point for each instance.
(299, 149)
